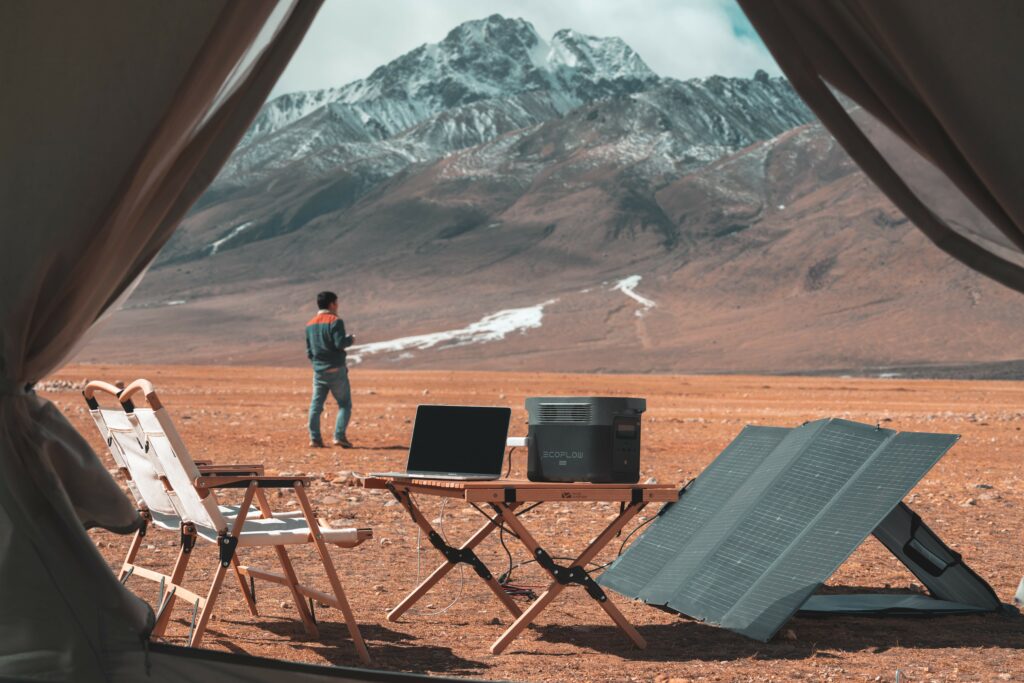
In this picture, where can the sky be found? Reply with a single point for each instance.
(678, 38)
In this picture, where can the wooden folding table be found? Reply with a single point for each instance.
(503, 497)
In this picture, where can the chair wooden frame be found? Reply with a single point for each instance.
(201, 516)
(161, 521)
(504, 497)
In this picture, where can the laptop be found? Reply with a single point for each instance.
(461, 443)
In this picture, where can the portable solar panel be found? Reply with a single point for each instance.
(777, 513)
(665, 539)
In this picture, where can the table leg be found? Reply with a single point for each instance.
(560, 581)
(483, 532)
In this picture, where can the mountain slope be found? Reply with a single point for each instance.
(786, 259)
(500, 201)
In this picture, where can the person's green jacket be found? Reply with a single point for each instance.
(326, 341)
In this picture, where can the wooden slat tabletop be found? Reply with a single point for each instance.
(525, 491)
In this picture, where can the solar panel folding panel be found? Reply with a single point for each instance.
(777, 513)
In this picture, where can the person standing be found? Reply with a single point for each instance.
(326, 342)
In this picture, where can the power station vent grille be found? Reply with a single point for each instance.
(564, 412)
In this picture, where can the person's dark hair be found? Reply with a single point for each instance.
(325, 299)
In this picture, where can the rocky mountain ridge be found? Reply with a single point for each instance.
(487, 79)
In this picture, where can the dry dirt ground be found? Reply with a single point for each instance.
(973, 499)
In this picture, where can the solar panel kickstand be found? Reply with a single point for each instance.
(939, 568)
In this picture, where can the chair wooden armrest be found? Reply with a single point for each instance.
(241, 481)
(211, 469)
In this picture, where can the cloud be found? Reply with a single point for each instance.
(678, 38)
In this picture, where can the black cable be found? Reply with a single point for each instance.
(642, 525)
(496, 521)
(501, 536)
(508, 574)
(528, 508)
(508, 456)
(504, 577)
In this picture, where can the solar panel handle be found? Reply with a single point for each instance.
(927, 560)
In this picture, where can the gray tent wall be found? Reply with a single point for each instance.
(941, 91)
(116, 116)
(943, 81)
(191, 665)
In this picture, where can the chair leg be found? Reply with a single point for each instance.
(250, 599)
(177, 574)
(286, 568)
(227, 543)
(293, 585)
(332, 576)
(211, 600)
(133, 550)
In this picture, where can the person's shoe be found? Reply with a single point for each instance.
(343, 442)
(316, 443)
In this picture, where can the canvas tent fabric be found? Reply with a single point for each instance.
(116, 116)
(777, 513)
(188, 665)
(939, 91)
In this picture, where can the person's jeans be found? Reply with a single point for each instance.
(335, 383)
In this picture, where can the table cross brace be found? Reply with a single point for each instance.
(459, 555)
(575, 573)
(452, 555)
(567, 575)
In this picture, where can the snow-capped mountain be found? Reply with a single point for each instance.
(489, 58)
(486, 78)
(592, 97)
(499, 200)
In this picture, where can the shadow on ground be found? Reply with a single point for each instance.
(687, 639)
(389, 649)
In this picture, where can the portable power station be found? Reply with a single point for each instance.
(595, 439)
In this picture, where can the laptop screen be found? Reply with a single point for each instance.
(467, 439)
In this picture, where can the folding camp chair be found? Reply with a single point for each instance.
(143, 476)
(192, 498)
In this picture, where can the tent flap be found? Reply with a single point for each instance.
(943, 82)
(117, 116)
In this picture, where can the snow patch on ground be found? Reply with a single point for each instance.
(491, 328)
(628, 287)
(176, 302)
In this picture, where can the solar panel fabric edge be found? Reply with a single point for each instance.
(634, 570)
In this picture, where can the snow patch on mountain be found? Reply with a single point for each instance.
(598, 58)
(216, 244)
(490, 328)
(628, 287)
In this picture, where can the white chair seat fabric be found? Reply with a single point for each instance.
(173, 522)
(283, 531)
